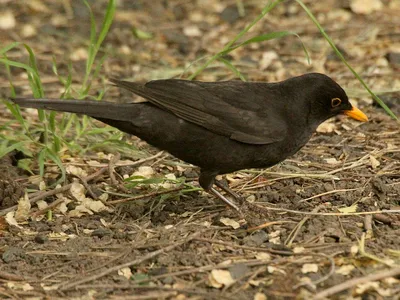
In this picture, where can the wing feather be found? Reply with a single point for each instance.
(242, 111)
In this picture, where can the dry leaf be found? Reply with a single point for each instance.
(59, 21)
(369, 286)
(230, 222)
(220, 278)
(62, 207)
(93, 205)
(35, 179)
(38, 6)
(144, 171)
(28, 31)
(267, 59)
(79, 54)
(24, 206)
(77, 171)
(331, 161)
(345, 270)
(365, 7)
(275, 237)
(167, 184)
(7, 20)
(263, 256)
(41, 204)
(309, 268)
(49, 287)
(349, 209)
(206, 224)
(10, 219)
(326, 127)
(354, 249)
(374, 162)
(275, 270)
(104, 223)
(94, 163)
(79, 211)
(251, 198)
(78, 191)
(192, 31)
(19, 286)
(104, 197)
(42, 185)
(298, 249)
(260, 296)
(126, 272)
(59, 236)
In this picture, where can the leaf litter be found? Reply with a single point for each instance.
(176, 241)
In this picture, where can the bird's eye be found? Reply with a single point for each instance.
(335, 102)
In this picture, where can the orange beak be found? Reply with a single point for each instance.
(356, 114)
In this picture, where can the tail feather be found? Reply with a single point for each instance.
(95, 109)
(136, 88)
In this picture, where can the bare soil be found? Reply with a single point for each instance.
(328, 215)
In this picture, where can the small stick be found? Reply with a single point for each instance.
(87, 187)
(259, 249)
(328, 193)
(384, 211)
(41, 195)
(49, 207)
(38, 197)
(355, 281)
(296, 229)
(152, 194)
(11, 277)
(137, 261)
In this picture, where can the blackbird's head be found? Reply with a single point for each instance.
(329, 99)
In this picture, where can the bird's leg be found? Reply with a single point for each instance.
(207, 180)
(223, 198)
(227, 190)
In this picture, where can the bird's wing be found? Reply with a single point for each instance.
(246, 112)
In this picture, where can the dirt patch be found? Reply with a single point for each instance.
(304, 226)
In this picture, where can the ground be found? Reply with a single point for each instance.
(325, 223)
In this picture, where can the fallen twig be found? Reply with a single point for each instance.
(384, 211)
(355, 281)
(43, 194)
(152, 194)
(137, 261)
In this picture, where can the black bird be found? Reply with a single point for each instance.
(223, 126)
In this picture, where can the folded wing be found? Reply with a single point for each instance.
(239, 110)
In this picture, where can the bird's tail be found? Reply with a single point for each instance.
(95, 109)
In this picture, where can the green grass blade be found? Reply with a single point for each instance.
(38, 87)
(265, 10)
(268, 37)
(95, 42)
(340, 55)
(16, 112)
(9, 47)
(41, 161)
(54, 157)
(92, 46)
(7, 149)
(233, 68)
(9, 76)
(108, 19)
(16, 64)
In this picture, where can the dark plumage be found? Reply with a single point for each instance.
(220, 126)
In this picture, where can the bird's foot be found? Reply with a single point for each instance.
(223, 198)
(227, 190)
